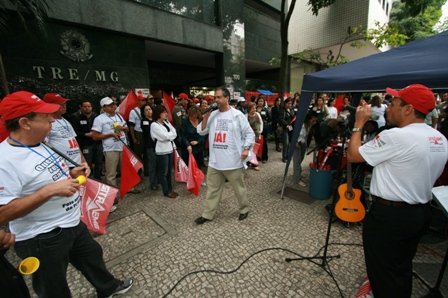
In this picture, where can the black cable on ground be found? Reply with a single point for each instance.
(328, 271)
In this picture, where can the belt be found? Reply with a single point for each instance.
(385, 202)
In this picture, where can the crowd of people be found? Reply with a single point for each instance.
(40, 199)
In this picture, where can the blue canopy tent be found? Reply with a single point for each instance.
(422, 61)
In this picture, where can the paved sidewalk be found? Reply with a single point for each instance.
(155, 240)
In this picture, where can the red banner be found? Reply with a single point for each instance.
(130, 165)
(96, 200)
(169, 103)
(195, 176)
(180, 168)
(128, 103)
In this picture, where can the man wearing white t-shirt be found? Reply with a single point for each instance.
(62, 135)
(230, 140)
(110, 128)
(135, 128)
(407, 160)
(39, 198)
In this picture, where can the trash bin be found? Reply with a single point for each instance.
(321, 182)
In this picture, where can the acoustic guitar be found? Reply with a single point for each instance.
(349, 207)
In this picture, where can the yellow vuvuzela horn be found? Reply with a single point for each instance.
(29, 265)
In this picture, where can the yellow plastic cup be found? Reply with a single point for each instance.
(29, 265)
(81, 179)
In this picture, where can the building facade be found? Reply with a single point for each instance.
(328, 31)
(101, 47)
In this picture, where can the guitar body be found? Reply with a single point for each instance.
(349, 207)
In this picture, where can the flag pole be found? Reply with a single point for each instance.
(73, 162)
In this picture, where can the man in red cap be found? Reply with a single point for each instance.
(62, 135)
(179, 113)
(407, 160)
(39, 198)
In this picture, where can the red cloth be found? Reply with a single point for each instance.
(129, 102)
(255, 149)
(96, 200)
(260, 147)
(180, 168)
(195, 175)
(130, 165)
(169, 104)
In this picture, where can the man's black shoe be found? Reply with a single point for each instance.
(243, 216)
(123, 287)
(201, 220)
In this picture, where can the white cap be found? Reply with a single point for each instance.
(106, 101)
(241, 98)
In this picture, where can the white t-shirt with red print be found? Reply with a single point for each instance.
(25, 170)
(407, 161)
(229, 132)
(63, 138)
(104, 124)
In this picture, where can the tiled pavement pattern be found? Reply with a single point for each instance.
(154, 240)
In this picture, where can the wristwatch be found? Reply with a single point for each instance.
(246, 147)
(356, 129)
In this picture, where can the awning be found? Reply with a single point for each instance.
(265, 92)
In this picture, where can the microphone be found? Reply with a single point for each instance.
(213, 107)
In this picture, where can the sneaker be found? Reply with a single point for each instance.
(302, 184)
(114, 207)
(201, 220)
(203, 184)
(123, 287)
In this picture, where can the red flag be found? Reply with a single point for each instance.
(180, 168)
(128, 103)
(96, 200)
(130, 165)
(195, 176)
(169, 104)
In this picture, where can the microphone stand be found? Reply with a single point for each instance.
(325, 259)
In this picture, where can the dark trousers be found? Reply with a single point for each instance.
(150, 166)
(390, 238)
(264, 154)
(285, 139)
(94, 157)
(55, 250)
(11, 281)
(164, 170)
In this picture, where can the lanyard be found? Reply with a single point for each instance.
(38, 153)
(63, 124)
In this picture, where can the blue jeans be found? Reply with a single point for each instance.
(55, 249)
(165, 170)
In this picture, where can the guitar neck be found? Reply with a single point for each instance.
(349, 177)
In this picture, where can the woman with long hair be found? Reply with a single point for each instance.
(163, 134)
(191, 140)
(263, 111)
(276, 126)
(378, 110)
(256, 123)
(287, 120)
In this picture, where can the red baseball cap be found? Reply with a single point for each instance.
(54, 98)
(418, 95)
(21, 103)
(183, 96)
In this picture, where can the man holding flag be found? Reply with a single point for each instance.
(110, 127)
(39, 197)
